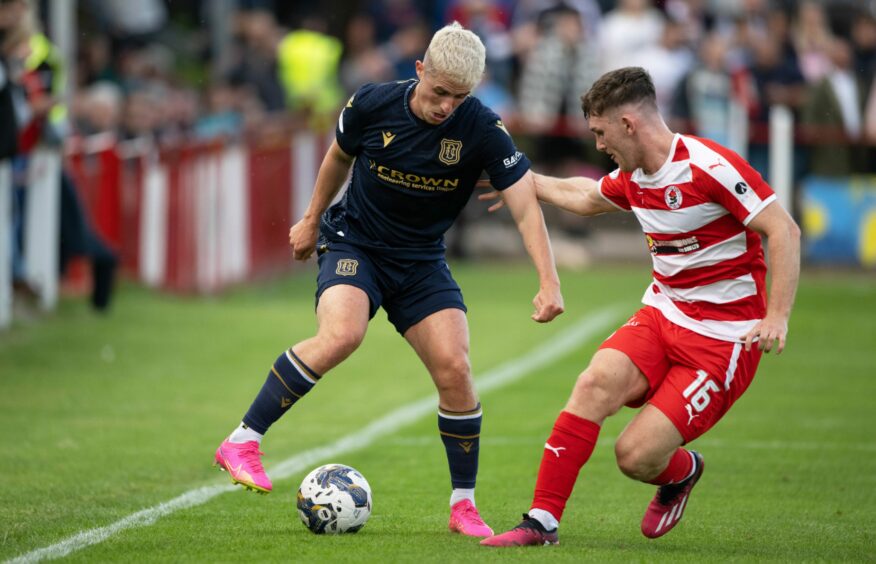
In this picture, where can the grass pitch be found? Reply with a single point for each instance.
(104, 417)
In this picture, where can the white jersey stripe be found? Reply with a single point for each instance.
(731, 368)
(721, 292)
(681, 220)
(731, 331)
(670, 173)
(670, 265)
(758, 209)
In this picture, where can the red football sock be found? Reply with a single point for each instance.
(680, 467)
(568, 448)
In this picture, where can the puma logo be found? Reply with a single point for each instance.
(553, 449)
(388, 136)
(716, 165)
(690, 413)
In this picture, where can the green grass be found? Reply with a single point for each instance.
(104, 416)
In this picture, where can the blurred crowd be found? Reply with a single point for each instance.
(181, 71)
(153, 68)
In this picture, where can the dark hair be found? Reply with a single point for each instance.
(617, 88)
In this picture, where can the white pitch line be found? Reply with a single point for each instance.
(499, 377)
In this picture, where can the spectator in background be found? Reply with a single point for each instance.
(562, 64)
(525, 22)
(668, 61)
(307, 63)
(695, 15)
(627, 31)
(402, 31)
(95, 61)
(702, 101)
(833, 114)
(773, 79)
(392, 16)
(405, 46)
(131, 22)
(43, 119)
(98, 109)
(363, 60)
(256, 54)
(14, 33)
(221, 118)
(11, 13)
(812, 41)
(490, 21)
(140, 115)
(863, 34)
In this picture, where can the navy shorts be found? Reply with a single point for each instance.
(408, 290)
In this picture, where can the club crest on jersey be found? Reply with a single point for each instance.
(451, 150)
(672, 196)
(347, 267)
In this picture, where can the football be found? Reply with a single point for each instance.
(334, 499)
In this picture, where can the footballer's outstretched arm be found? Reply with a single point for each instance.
(579, 194)
(332, 173)
(523, 205)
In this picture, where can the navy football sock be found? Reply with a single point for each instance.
(288, 380)
(461, 432)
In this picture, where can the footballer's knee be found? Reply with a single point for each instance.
(341, 341)
(593, 396)
(636, 460)
(454, 383)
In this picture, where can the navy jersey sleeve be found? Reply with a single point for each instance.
(351, 122)
(502, 161)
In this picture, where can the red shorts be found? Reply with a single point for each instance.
(692, 379)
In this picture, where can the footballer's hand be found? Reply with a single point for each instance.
(770, 332)
(548, 304)
(489, 195)
(302, 239)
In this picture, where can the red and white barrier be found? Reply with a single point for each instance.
(199, 217)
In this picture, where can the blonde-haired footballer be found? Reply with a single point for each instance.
(417, 148)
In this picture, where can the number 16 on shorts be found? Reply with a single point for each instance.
(697, 394)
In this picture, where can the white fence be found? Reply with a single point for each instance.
(41, 224)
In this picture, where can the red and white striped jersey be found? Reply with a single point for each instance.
(709, 270)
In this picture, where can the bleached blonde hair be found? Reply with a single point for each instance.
(457, 54)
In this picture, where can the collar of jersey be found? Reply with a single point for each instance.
(640, 177)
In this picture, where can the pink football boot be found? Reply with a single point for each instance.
(528, 533)
(668, 505)
(243, 462)
(465, 519)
